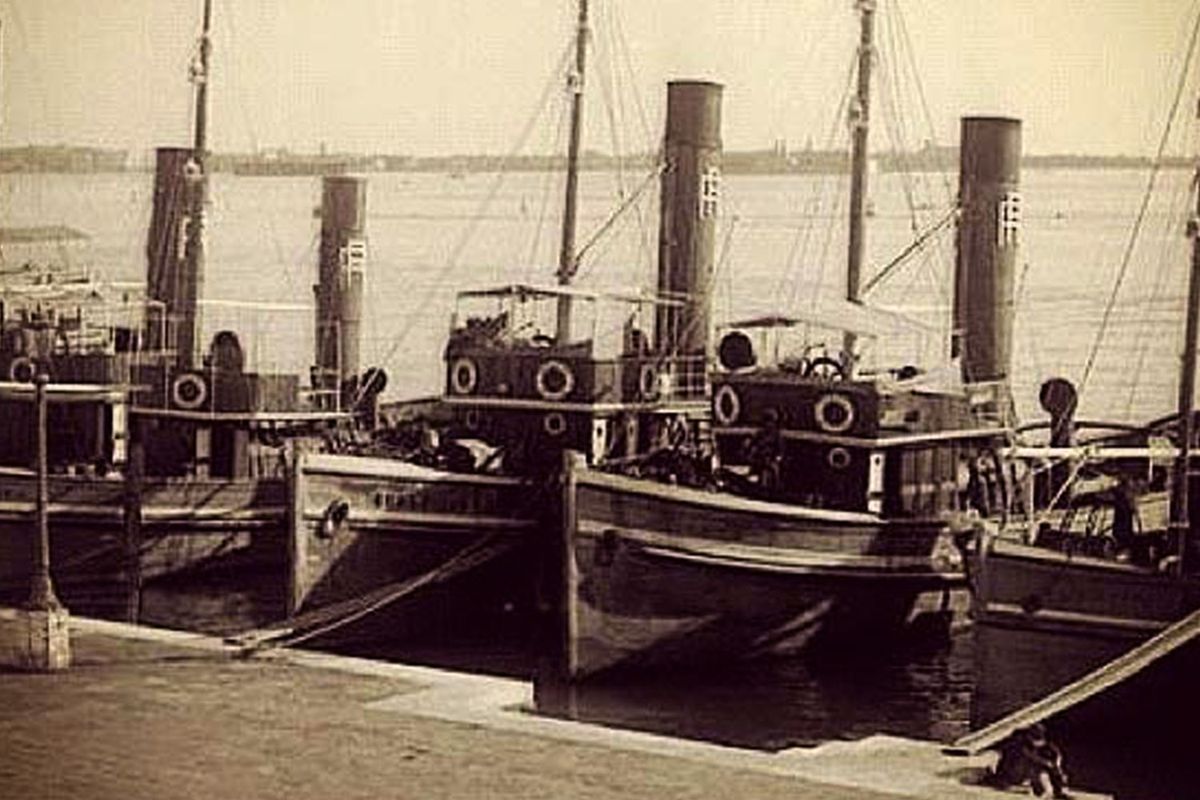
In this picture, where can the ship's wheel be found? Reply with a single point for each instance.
(825, 368)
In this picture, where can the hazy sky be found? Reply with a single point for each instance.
(444, 76)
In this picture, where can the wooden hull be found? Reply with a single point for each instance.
(659, 574)
(361, 525)
(1044, 619)
(186, 524)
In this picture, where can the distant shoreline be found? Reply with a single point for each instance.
(88, 160)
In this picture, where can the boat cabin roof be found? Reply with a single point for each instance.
(858, 318)
(529, 291)
(886, 341)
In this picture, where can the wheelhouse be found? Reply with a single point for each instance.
(107, 350)
(57, 319)
(801, 418)
(517, 381)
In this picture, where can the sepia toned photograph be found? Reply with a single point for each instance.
(599, 399)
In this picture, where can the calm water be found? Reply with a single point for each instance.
(780, 247)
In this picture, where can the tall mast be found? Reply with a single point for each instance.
(566, 255)
(859, 120)
(200, 77)
(197, 190)
(1180, 488)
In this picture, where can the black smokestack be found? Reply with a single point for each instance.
(173, 280)
(988, 237)
(691, 186)
(339, 289)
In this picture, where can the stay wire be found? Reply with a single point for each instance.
(930, 129)
(460, 245)
(1144, 342)
(548, 185)
(618, 213)
(821, 191)
(651, 146)
(1155, 169)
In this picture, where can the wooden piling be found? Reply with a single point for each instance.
(134, 472)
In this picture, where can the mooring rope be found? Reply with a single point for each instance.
(329, 618)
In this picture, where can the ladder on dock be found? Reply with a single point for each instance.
(1096, 681)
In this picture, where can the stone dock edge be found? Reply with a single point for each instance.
(880, 765)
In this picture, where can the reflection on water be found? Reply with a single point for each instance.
(216, 604)
(922, 693)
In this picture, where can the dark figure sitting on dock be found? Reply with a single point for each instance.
(1027, 756)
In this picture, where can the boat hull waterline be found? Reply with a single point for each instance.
(363, 524)
(667, 574)
(186, 524)
(1051, 617)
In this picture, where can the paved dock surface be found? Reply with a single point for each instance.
(156, 714)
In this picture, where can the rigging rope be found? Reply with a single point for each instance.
(618, 29)
(608, 89)
(913, 247)
(930, 129)
(1144, 342)
(892, 77)
(620, 210)
(460, 245)
(1155, 169)
(326, 619)
(821, 186)
(1018, 304)
(631, 76)
(294, 268)
(548, 182)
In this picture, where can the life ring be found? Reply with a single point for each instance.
(464, 376)
(188, 391)
(22, 370)
(648, 382)
(554, 423)
(727, 406)
(555, 380)
(834, 413)
(838, 457)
